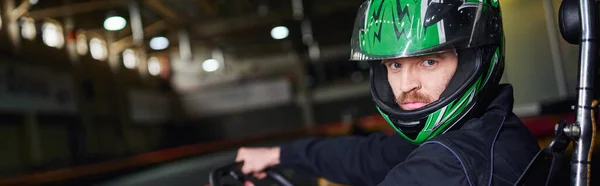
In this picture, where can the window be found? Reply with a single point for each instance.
(52, 35)
(98, 49)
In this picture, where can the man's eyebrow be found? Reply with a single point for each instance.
(438, 55)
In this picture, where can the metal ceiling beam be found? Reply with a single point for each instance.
(167, 13)
(256, 50)
(22, 9)
(333, 33)
(241, 24)
(150, 30)
(238, 24)
(208, 7)
(76, 8)
(156, 27)
(329, 52)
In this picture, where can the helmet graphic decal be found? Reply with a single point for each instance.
(390, 23)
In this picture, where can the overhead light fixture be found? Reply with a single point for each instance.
(159, 43)
(33, 2)
(280, 32)
(114, 23)
(210, 65)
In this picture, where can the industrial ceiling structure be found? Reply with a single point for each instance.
(237, 31)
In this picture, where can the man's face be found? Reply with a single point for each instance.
(418, 81)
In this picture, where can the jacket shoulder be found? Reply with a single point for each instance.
(433, 163)
(494, 148)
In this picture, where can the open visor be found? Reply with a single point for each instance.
(394, 29)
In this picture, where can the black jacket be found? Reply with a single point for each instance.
(491, 150)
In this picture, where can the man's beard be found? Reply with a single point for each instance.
(412, 96)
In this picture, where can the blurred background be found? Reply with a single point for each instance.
(136, 91)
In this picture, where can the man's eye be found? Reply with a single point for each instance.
(429, 63)
(395, 65)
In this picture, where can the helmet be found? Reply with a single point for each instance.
(389, 29)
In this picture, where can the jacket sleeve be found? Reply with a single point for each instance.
(347, 160)
(430, 164)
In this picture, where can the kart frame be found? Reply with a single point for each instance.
(583, 131)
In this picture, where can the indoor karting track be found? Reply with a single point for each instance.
(190, 165)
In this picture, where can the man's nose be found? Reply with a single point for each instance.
(409, 81)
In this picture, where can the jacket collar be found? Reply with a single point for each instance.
(503, 102)
(474, 141)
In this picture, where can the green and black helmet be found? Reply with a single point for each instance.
(389, 29)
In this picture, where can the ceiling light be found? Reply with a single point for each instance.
(210, 65)
(114, 23)
(280, 32)
(159, 43)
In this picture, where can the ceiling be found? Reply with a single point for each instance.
(239, 28)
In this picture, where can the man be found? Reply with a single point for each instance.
(435, 69)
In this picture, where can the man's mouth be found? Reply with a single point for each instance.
(411, 105)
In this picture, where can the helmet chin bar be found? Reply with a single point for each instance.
(411, 129)
(407, 123)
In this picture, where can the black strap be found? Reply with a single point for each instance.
(547, 162)
(554, 167)
(543, 168)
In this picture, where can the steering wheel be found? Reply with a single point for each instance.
(216, 176)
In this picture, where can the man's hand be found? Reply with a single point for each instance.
(256, 160)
